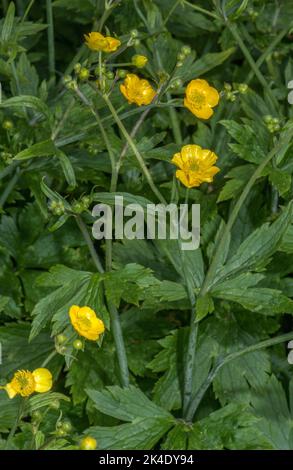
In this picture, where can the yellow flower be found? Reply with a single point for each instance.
(195, 165)
(25, 383)
(139, 61)
(88, 443)
(200, 98)
(86, 322)
(137, 90)
(98, 42)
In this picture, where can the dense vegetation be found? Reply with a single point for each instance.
(195, 349)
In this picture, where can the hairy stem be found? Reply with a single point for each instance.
(235, 33)
(198, 396)
(114, 315)
(9, 187)
(51, 39)
(135, 150)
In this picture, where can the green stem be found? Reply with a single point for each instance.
(114, 316)
(279, 147)
(9, 187)
(49, 358)
(201, 10)
(59, 126)
(267, 52)
(175, 123)
(16, 423)
(135, 151)
(234, 31)
(88, 240)
(27, 10)
(119, 342)
(193, 331)
(104, 134)
(172, 10)
(51, 39)
(198, 396)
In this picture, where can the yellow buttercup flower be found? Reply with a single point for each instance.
(85, 321)
(195, 165)
(200, 98)
(139, 61)
(25, 383)
(98, 42)
(137, 90)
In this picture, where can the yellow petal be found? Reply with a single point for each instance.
(213, 96)
(177, 160)
(208, 158)
(112, 44)
(189, 152)
(73, 312)
(182, 176)
(43, 380)
(10, 390)
(203, 113)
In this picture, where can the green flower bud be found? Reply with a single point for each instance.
(83, 74)
(77, 344)
(110, 75)
(180, 56)
(77, 67)
(227, 87)
(134, 33)
(77, 207)
(61, 338)
(186, 50)
(7, 125)
(242, 87)
(121, 73)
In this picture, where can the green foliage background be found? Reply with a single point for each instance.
(56, 152)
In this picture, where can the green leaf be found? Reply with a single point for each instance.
(128, 283)
(141, 434)
(18, 353)
(95, 367)
(126, 404)
(8, 411)
(204, 306)
(205, 64)
(148, 422)
(41, 149)
(280, 180)
(231, 189)
(67, 168)
(60, 299)
(44, 400)
(269, 403)
(28, 102)
(8, 23)
(258, 247)
(261, 299)
(250, 146)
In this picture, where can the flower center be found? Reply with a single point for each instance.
(194, 166)
(23, 383)
(85, 323)
(198, 99)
